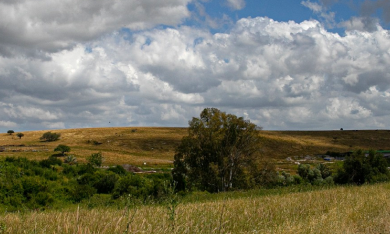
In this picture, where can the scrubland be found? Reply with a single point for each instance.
(292, 209)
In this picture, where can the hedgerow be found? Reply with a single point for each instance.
(29, 184)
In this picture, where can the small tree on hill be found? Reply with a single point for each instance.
(63, 149)
(48, 136)
(20, 135)
(10, 132)
(96, 159)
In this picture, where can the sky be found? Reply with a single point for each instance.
(282, 64)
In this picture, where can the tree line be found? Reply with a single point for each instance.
(222, 153)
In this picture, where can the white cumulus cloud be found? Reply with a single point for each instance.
(281, 75)
(236, 4)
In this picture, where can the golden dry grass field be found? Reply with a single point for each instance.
(348, 209)
(156, 146)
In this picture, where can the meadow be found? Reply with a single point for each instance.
(293, 209)
(154, 147)
(347, 209)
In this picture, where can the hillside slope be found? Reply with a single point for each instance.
(155, 146)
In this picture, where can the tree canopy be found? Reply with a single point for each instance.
(360, 168)
(49, 136)
(62, 148)
(96, 159)
(20, 135)
(219, 153)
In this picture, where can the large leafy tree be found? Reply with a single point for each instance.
(219, 153)
(360, 168)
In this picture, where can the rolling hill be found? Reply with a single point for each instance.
(155, 146)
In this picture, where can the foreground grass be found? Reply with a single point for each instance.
(364, 209)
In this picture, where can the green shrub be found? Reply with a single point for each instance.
(62, 148)
(50, 174)
(100, 200)
(359, 168)
(118, 169)
(267, 176)
(43, 199)
(10, 159)
(80, 192)
(88, 179)
(306, 172)
(14, 202)
(33, 185)
(316, 175)
(96, 159)
(135, 185)
(106, 183)
(159, 180)
(48, 136)
(85, 168)
(70, 159)
(69, 170)
(329, 180)
(297, 179)
(51, 161)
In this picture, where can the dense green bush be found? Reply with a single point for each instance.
(85, 168)
(51, 161)
(80, 192)
(26, 184)
(285, 179)
(49, 136)
(96, 159)
(118, 169)
(137, 186)
(62, 148)
(106, 182)
(266, 176)
(69, 170)
(318, 175)
(88, 179)
(360, 168)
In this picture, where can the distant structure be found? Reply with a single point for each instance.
(341, 129)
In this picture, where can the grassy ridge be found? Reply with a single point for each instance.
(156, 146)
(287, 210)
(337, 210)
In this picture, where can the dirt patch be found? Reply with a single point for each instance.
(135, 169)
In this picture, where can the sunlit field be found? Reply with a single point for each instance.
(348, 209)
(153, 147)
(294, 209)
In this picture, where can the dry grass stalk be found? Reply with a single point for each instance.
(340, 210)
